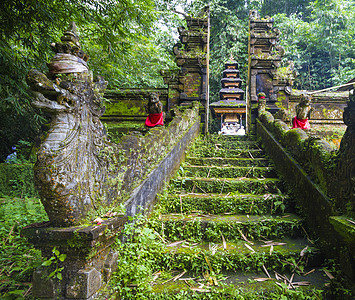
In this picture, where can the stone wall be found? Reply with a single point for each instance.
(327, 107)
(129, 104)
(310, 167)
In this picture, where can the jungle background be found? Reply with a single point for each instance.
(129, 42)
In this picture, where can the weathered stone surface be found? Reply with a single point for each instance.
(265, 73)
(84, 284)
(190, 82)
(129, 104)
(327, 107)
(279, 129)
(346, 163)
(313, 202)
(89, 262)
(43, 286)
(76, 162)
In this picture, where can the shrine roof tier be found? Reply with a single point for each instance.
(231, 65)
(231, 73)
(262, 22)
(225, 104)
(231, 82)
(231, 93)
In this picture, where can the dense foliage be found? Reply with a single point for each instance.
(129, 42)
(18, 258)
(120, 36)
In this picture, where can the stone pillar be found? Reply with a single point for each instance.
(345, 173)
(190, 82)
(89, 260)
(265, 74)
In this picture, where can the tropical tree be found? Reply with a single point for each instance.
(28, 27)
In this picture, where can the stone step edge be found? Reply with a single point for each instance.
(248, 283)
(231, 167)
(244, 246)
(228, 218)
(229, 158)
(236, 179)
(229, 195)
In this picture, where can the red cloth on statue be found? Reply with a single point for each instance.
(154, 120)
(300, 123)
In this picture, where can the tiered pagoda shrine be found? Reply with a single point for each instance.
(231, 109)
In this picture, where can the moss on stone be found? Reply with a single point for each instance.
(345, 228)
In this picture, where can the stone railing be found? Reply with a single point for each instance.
(321, 179)
(148, 162)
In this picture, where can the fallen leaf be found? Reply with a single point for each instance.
(178, 276)
(303, 251)
(155, 276)
(262, 279)
(301, 283)
(311, 271)
(244, 237)
(328, 274)
(273, 244)
(110, 214)
(199, 290)
(175, 243)
(250, 248)
(267, 273)
(224, 242)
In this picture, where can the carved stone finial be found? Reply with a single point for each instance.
(69, 57)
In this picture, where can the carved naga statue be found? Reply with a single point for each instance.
(72, 168)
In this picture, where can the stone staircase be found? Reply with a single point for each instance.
(230, 229)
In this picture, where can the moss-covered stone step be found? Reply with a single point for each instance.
(117, 128)
(226, 203)
(230, 144)
(227, 185)
(226, 153)
(226, 144)
(203, 227)
(229, 172)
(230, 138)
(282, 255)
(221, 161)
(238, 285)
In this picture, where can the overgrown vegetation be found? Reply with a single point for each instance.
(18, 258)
(129, 42)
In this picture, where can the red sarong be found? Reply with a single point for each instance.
(300, 123)
(154, 120)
